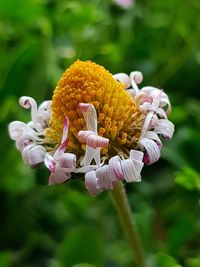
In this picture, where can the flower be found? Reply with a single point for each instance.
(98, 124)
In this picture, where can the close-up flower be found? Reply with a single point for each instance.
(98, 126)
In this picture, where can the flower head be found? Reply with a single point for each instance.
(98, 124)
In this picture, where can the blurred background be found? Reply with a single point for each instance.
(62, 226)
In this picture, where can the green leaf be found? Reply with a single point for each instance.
(188, 178)
(165, 260)
(82, 244)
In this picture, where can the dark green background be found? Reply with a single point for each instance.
(63, 226)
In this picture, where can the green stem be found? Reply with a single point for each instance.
(122, 206)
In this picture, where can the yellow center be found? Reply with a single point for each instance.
(119, 118)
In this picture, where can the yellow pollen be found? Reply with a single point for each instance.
(119, 118)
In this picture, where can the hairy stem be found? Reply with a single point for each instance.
(122, 206)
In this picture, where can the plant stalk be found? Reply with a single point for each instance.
(122, 206)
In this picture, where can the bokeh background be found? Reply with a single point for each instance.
(63, 226)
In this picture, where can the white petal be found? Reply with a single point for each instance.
(23, 141)
(29, 102)
(116, 172)
(151, 148)
(90, 116)
(165, 128)
(49, 162)
(59, 176)
(91, 183)
(103, 175)
(123, 78)
(67, 160)
(90, 154)
(64, 142)
(16, 129)
(33, 154)
(136, 78)
(131, 174)
(92, 139)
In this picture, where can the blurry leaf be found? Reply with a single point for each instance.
(181, 232)
(164, 260)
(188, 178)
(5, 259)
(193, 262)
(82, 244)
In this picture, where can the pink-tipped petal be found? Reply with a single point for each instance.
(67, 160)
(84, 107)
(151, 149)
(49, 162)
(90, 116)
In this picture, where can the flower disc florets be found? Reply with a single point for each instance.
(98, 124)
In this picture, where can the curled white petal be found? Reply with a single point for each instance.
(165, 128)
(91, 183)
(16, 129)
(116, 168)
(104, 180)
(67, 160)
(92, 139)
(28, 102)
(59, 176)
(123, 78)
(136, 78)
(152, 149)
(64, 141)
(33, 154)
(90, 116)
(23, 141)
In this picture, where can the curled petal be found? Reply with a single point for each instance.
(33, 154)
(44, 114)
(136, 78)
(45, 108)
(59, 176)
(16, 129)
(151, 148)
(29, 102)
(132, 167)
(67, 160)
(91, 183)
(23, 141)
(165, 128)
(49, 162)
(103, 175)
(84, 107)
(116, 172)
(92, 139)
(90, 116)
(130, 172)
(64, 142)
(123, 78)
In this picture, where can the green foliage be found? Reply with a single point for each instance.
(62, 225)
(188, 178)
